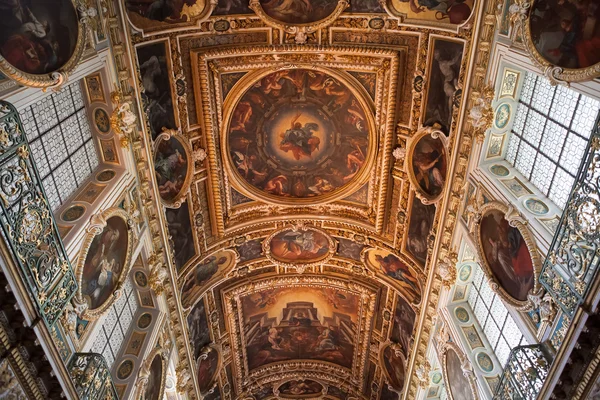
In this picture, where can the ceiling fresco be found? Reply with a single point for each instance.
(308, 158)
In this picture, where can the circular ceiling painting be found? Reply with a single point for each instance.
(299, 134)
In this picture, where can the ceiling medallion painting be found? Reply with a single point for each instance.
(208, 367)
(204, 274)
(167, 15)
(394, 367)
(173, 165)
(428, 164)
(299, 247)
(300, 135)
(319, 324)
(104, 262)
(300, 389)
(427, 12)
(509, 254)
(299, 17)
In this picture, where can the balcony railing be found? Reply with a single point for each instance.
(524, 374)
(91, 377)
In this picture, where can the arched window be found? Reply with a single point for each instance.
(60, 138)
(549, 135)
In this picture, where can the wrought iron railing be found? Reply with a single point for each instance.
(91, 376)
(524, 374)
(27, 222)
(574, 257)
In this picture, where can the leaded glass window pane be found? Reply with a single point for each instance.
(61, 142)
(549, 136)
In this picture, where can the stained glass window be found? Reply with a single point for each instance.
(115, 327)
(61, 142)
(549, 136)
(498, 325)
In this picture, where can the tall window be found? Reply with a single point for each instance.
(549, 136)
(499, 327)
(115, 328)
(61, 142)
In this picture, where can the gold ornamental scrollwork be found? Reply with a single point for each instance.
(97, 224)
(54, 79)
(518, 222)
(299, 31)
(300, 267)
(167, 135)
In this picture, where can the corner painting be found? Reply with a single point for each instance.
(301, 322)
(459, 386)
(448, 12)
(155, 386)
(156, 95)
(207, 366)
(393, 363)
(566, 34)
(156, 16)
(299, 135)
(400, 273)
(202, 274)
(505, 252)
(445, 61)
(300, 389)
(198, 330)
(299, 246)
(180, 229)
(38, 38)
(403, 324)
(173, 166)
(419, 228)
(429, 164)
(103, 266)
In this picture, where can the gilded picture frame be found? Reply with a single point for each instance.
(53, 79)
(145, 371)
(181, 196)
(553, 72)
(215, 376)
(514, 221)
(420, 192)
(398, 352)
(98, 222)
(466, 367)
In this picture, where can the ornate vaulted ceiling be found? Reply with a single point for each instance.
(303, 151)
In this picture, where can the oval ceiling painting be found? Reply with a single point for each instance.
(300, 389)
(207, 368)
(506, 254)
(432, 12)
(38, 36)
(390, 265)
(160, 15)
(106, 260)
(460, 387)
(564, 33)
(154, 386)
(394, 368)
(300, 134)
(298, 11)
(173, 169)
(429, 165)
(303, 245)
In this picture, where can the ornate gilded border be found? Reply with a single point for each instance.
(300, 31)
(517, 221)
(402, 18)
(554, 73)
(282, 382)
(144, 373)
(234, 326)
(56, 78)
(465, 364)
(97, 224)
(435, 134)
(396, 348)
(299, 267)
(252, 192)
(181, 197)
